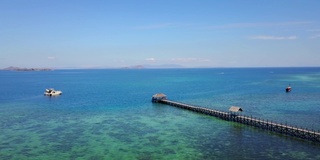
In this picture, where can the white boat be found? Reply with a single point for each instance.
(52, 92)
(288, 89)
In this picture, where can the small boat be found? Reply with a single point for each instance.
(52, 92)
(288, 89)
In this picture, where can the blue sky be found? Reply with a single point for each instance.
(191, 33)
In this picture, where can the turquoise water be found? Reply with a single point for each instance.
(108, 114)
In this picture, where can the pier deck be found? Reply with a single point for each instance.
(262, 124)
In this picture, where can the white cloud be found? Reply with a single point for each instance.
(315, 36)
(51, 58)
(267, 24)
(188, 60)
(313, 30)
(150, 59)
(274, 38)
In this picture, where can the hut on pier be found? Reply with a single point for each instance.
(157, 97)
(235, 109)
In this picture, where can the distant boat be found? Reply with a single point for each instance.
(52, 92)
(288, 89)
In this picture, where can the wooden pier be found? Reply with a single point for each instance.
(228, 116)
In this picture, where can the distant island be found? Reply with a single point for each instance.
(135, 67)
(153, 66)
(11, 68)
(145, 66)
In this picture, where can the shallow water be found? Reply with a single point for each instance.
(107, 114)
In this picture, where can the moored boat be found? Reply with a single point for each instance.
(288, 89)
(52, 92)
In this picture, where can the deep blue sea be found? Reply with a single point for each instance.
(107, 114)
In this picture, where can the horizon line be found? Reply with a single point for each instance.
(142, 67)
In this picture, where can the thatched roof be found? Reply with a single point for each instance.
(235, 109)
(159, 95)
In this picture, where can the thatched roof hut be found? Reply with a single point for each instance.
(235, 109)
(158, 96)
